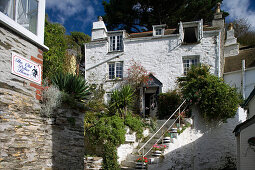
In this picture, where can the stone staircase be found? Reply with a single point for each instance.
(130, 162)
(145, 148)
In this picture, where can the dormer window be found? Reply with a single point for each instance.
(190, 35)
(158, 30)
(193, 32)
(25, 17)
(115, 41)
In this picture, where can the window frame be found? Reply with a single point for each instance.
(158, 31)
(190, 60)
(115, 71)
(157, 28)
(36, 38)
(115, 40)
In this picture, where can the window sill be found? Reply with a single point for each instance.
(113, 80)
(194, 43)
(115, 52)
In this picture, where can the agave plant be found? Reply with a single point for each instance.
(121, 99)
(74, 86)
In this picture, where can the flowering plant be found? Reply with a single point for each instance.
(142, 159)
(157, 147)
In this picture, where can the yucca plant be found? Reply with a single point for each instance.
(121, 99)
(76, 87)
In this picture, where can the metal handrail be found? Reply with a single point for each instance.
(165, 132)
(160, 137)
(161, 127)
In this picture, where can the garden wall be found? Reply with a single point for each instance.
(28, 140)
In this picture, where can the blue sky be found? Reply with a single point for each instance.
(78, 15)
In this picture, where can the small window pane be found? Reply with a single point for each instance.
(7, 7)
(158, 31)
(24, 12)
(119, 70)
(111, 70)
(116, 43)
(188, 62)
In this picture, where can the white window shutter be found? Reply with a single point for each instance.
(181, 33)
(200, 30)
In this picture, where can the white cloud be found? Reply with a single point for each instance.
(240, 9)
(66, 9)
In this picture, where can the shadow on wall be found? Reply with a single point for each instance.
(203, 146)
(67, 139)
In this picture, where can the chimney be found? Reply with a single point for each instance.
(218, 21)
(231, 45)
(99, 30)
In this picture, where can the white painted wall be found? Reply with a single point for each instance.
(247, 154)
(204, 146)
(234, 79)
(160, 56)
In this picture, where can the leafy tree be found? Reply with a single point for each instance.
(54, 38)
(76, 41)
(241, 27)
(216, 100)
(135, 15)
(243, 33)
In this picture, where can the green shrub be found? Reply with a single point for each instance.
(75, 87)
(107, 129)
(135, 123)
(121, 99)
(216, 100)
(96, 102)
(168, 103)
(110, 158)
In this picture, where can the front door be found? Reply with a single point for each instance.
(150, 104)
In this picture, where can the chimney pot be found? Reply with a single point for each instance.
(218, 7)
(100, 18)
(230, 26)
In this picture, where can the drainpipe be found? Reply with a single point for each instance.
(219, 54)
(243, 79)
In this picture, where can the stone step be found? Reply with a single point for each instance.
(130, 164)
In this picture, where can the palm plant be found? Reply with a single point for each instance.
(76, 87)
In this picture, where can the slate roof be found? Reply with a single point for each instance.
(166, 32)
(234, 63)
(150, 33)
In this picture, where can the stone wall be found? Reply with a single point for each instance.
(28, 140)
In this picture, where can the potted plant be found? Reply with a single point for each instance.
(141, 163)
(167, 138)
(174, 132)
(158, 149)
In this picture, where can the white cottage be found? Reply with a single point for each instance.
(167, 53)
